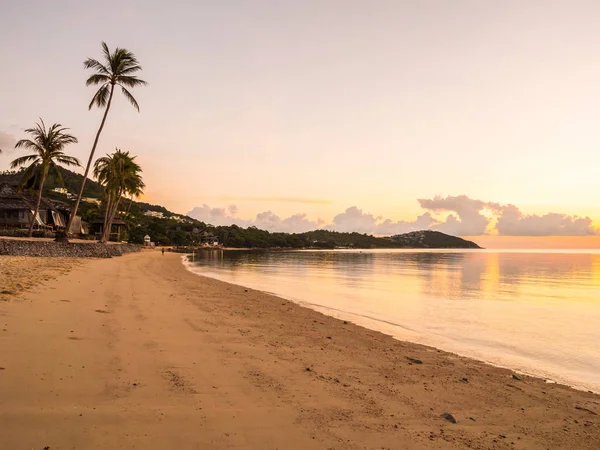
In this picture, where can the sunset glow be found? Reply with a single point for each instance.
(306, 109)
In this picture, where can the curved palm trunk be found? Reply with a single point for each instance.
(89, 164)
(107, 212)
(109, 222)
(37, 205)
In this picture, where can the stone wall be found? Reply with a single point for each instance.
(11, 247)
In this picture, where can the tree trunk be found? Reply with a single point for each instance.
(130, 203)
(107, 211)
(107, 229)
(37, 205)
(89, 163)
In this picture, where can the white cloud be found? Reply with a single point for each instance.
(390, 228)
(217, 216)
(298, 223)
(353, 219)
(468, 219)
(456, 215)
(513, 222)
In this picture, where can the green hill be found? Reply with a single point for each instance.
(168, 228)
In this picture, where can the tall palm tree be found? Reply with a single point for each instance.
(47, 145)
(118, 70)
(120, 175)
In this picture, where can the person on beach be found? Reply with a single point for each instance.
(163, 251)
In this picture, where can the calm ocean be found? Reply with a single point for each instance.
(537, 312)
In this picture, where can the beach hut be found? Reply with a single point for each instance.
(17, 206)
(147, 241)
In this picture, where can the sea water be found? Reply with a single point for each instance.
(537, 312)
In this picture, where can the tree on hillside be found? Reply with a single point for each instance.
(120, 175)
(118, 70)
(47, 145)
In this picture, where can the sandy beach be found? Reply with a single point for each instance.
(137, 352)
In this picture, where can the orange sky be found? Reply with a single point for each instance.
(313, 107)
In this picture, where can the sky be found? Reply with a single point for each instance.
(469, 117)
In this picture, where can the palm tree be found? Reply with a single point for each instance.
(118, 70)
(133, 195)
(47, 145)
(120, 175)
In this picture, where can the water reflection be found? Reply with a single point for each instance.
(538, 312)
(451, 275)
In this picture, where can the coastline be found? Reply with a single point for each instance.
(140, 351)
(399, 331)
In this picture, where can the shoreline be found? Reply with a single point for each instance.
(140, 351)
(388, 328)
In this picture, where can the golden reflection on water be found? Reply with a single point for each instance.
(534, 311)
(497, 275)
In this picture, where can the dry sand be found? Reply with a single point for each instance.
(136, 352)
(18, 274)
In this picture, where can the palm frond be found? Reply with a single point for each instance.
(97, 78)
(68, 160)
(101, 97)
(131, 68)
(28, 144)
(91, 63)
(118, 68)
(130, 97)
(119, 174)
(47, 145)
(29, 174)
(23, 160)
(106, 51)
(130, 81)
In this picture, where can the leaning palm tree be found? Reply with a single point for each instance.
(120, 175)
(47, 146)
(118, 70)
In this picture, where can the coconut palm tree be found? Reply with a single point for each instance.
(47, 146)
(118, 69)
(120, 175)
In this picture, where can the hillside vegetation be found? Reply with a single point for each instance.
(168, 228)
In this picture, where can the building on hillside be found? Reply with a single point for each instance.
(208, 239)
(156, 214)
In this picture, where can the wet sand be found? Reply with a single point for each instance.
(137, 352)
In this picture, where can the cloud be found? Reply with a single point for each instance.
(353, 219)
(390, 228)
(468, 219)
(217, 216)
(512, 222)
(457, 215)
(297, 223)
(7, 141)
